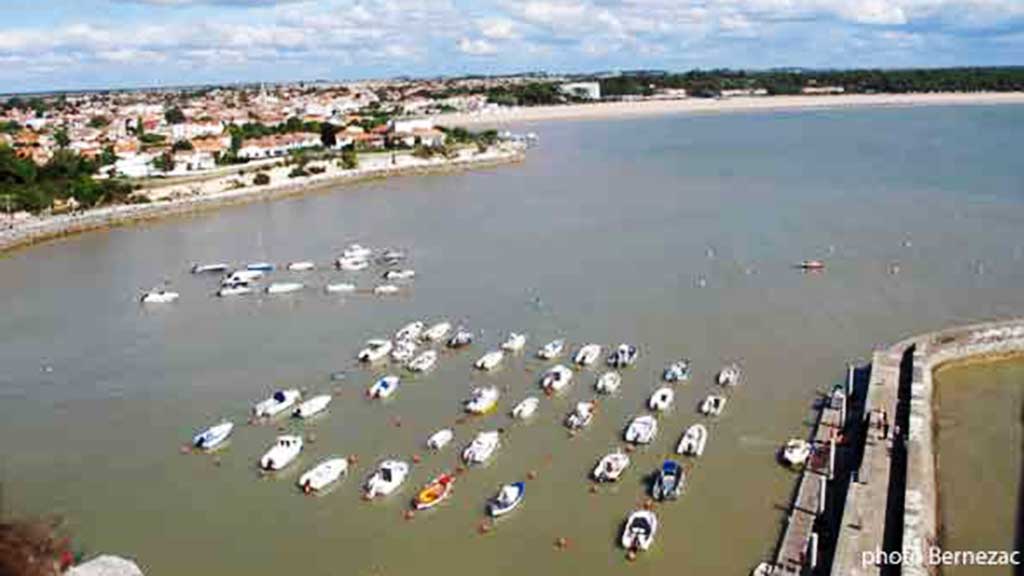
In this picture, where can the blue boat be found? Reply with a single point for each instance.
(260, 267)
(668, 484)
(508, 499)
(213, 436)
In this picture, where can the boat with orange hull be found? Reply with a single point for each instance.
(435, 492)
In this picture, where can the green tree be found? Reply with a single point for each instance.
(349, 159)
(99, 122)
(328, 135)
(182, 146)
(164, 162)
(174, 115)
(108, 156)
(60, 136)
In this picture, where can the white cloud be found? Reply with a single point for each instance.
(498, 29)
(476, 47)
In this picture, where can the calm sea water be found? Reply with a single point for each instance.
(675, 233)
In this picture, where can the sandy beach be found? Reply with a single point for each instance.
(197, 195)
(631, 109)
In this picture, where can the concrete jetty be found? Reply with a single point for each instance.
(880, 514)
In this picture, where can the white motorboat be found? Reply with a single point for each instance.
(552, 349)
(159, 296)
(234, 290)
(440, 439)
(514, 343)
(581, 416)
(279, 402)
(353, 264)
(490, 361)
(340, 287)
(403, 351)
(423, 362)
(284, 287)
(763, 569)
(398, 275)
(508, 499)
(677, 371)
(357, 251)
(260, 267)
(608, 382)
(375, 350)
(624, 355)
(436, 332)
(526, 408)
(661, 399)
(384, 387)
(243, 277)
(284, 451)
(642, 430)
(669, 481)
(639, 531)
(460, 339)
(390, 474)
(729, 376)
(410, 331)
(323, 475)
(713, 405)
(481, 448)
(313, 406)
(796, 452)
(610, 468)
(482, 400)
(386, 290)
(214, 436)
(207, 268)
(302, 266)
(693, 441)
(393, 256)
(556, 379)
(587, 355)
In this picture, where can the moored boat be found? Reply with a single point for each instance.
(214, 436)
(260, 267)
(424, 362)
(352, 264)
(284, 451)
(796, 452)
(375, 350)
(482, 400)
(638, 533)
(357, 251)
(410, 331)
(340, 287)
(608, 382)
(436, 332)
(556, 379)
(435, 492)
(490, 361)
(507, 499)
(386, 290)
(284, 287)
(207, 268)
(159, 296)
(810, 265)
(552, 349)
(763, 569)
(514, 343)
(390, 474)
(693, 441)
(642, 430)
(661, 399)
(234, 290)
(611, 466)
(669, 482)
(301, 266)
(729, 375)
(440, 439)
(581, 416)
(243, 277)
(313, 406)
(481, 448)
(397, 275)
(278, 402)
(323, 475)
(384, 387)
(403, 351)
(624, 355)
(713, 405)
(587, 354)
(677, 371)
(460, 339)
(526, 408)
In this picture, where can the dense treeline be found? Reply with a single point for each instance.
(25, 186)
(711, 83)
(531, 94)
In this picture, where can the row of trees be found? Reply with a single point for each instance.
(25, 186)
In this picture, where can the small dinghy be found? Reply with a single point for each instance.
(213, 437)
(677, 371)
(392, 256)
(339, 288)
(159, 297)
(405, 274)
(587, 355)
(552, 349)
(490, 361)
(284, 451)
(260, 267)
(435, 492)
(234, 290)
(693, 441)
(440, 439)
(404, 351)
(729, 376)
(556, 379)
(357, 251)
(638, 534)
(437, 332)
(388, 477)
(424, 362)
(323, 475)
(208, 268)
(526, 408)
(796, 452)
(284, 287)
(384, 387)
(810, 265)
(763, 569)
(410, 331)
(624, 355)
(669, 482)
(301, 266)
(608, 382)
(610, 468)
(241, 277)
(460, 339)
(375, 350)
(353, 264)
(507, 499)
(581, 416)
(482, 400)
(313, 406)
(514, 343)
(662, 399)
(279, 402)
(713, 405)
(481, 448)
(386, 290)
(642, 430)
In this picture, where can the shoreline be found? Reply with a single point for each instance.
(38, 230)
(649, 108)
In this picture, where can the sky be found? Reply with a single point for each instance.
(89, 44)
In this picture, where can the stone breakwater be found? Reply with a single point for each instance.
(42, 229)
(881, 514)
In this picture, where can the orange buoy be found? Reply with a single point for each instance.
(460, 469)
(416, 458)
(409, 514)
(484, 527)
(630, 448)
(561, 543)
(353, 458)
(648, 504)
(593, 489)
(532, 474)
(397, 422)
(366, 497)
(185, 449)
(631, 555)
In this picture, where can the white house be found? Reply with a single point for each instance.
(409, 125)
(587, 90)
